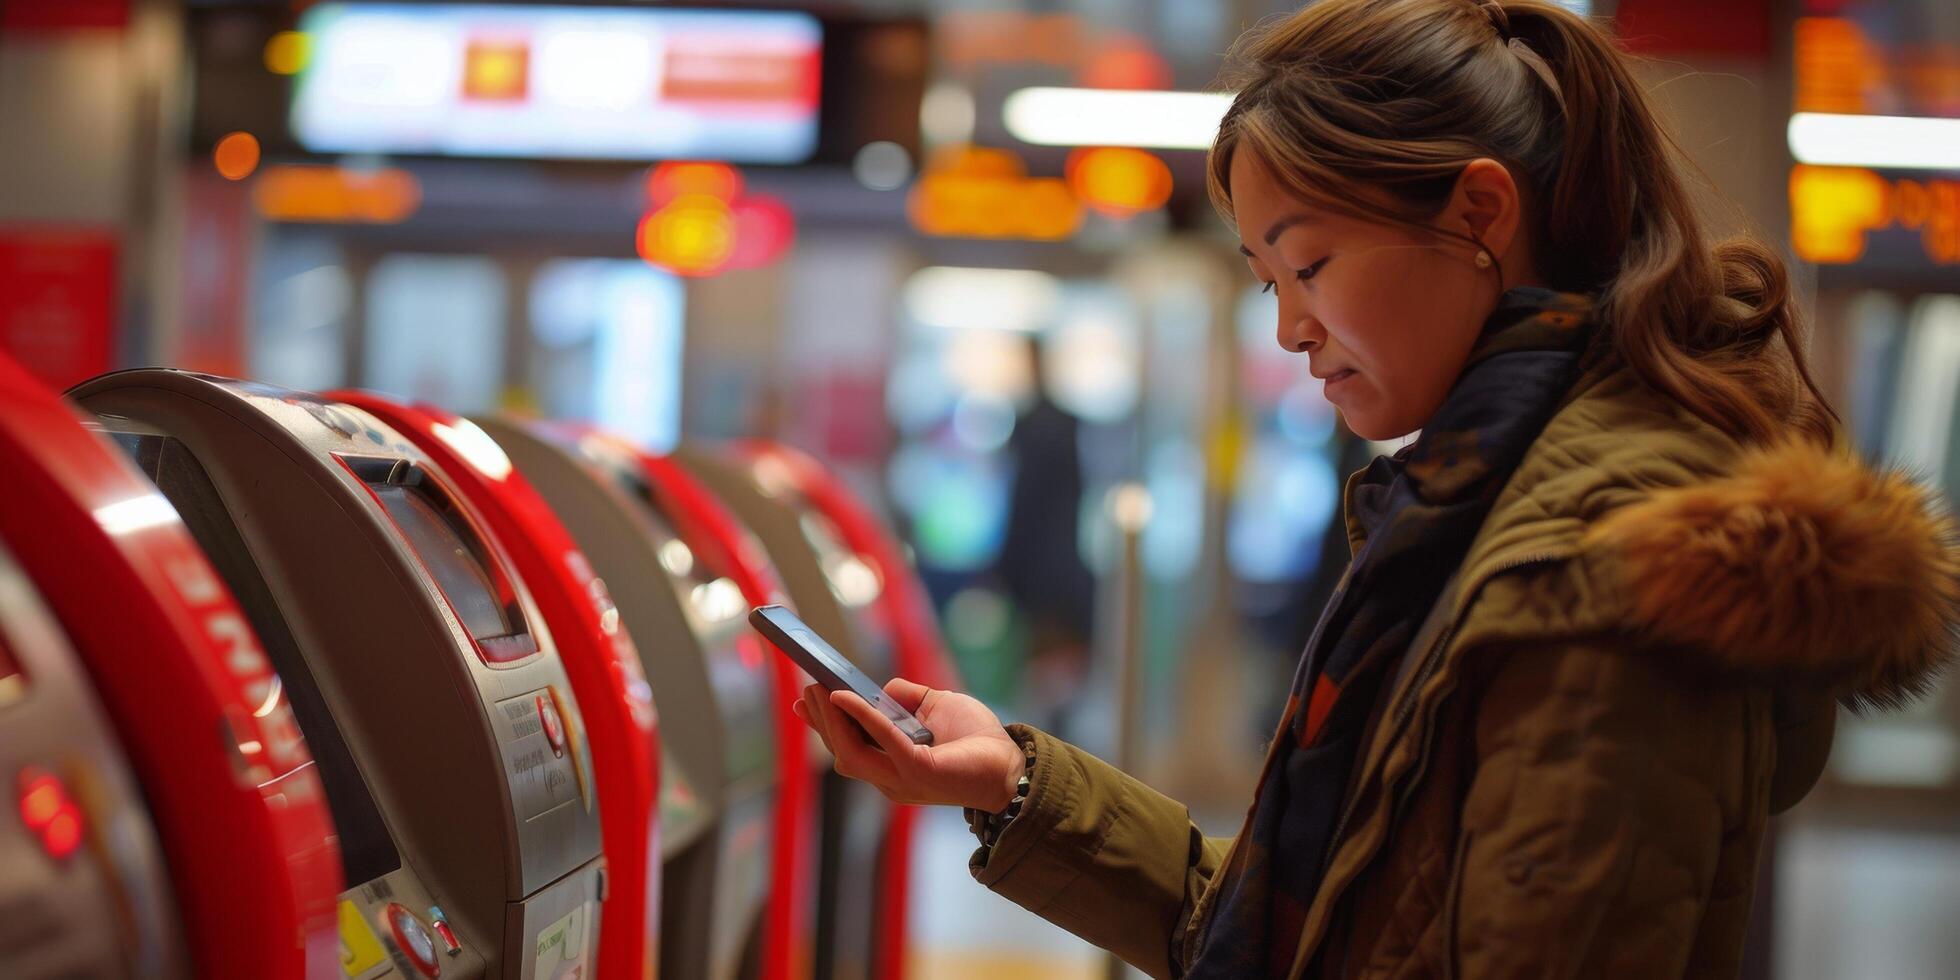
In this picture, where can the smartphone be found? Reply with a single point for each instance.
(822, 661)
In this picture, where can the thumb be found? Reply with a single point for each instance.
(880, 728)
(908, 695)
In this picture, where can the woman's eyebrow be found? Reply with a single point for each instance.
(1279, 227)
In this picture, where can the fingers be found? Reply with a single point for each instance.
(806, 709)
(886, 734)
(854, 758)
(909, 696)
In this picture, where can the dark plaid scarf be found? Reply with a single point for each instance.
(1421, 508)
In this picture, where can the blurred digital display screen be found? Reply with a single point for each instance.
(555, 82)
(464, 581)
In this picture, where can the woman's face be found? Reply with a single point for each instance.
(1385, 314)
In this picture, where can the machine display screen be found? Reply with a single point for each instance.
(584, 82)
(464, 580)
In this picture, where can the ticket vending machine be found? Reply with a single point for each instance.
(716, 534)
(599, 656)
(445, 729)
(203, 721)
(835, 592)
(900, 610)
(79, 857)
(711, 686)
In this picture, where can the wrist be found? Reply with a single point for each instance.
(1008, 784)
(1013, 768)
(1017, 772)
(987, 821)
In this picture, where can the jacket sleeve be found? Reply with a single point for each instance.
(1606, 791)
(1102, 855)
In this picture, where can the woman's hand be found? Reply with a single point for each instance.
(972, 761)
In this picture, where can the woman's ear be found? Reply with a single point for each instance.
(1486, 205)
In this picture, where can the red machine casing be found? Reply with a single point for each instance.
(707, 526)
(600, 661)
(239, 810)
(906, 614)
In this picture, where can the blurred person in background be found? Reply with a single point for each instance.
(1599, 613)
(1040, 564)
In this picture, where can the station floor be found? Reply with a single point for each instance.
(1850, 903)
(961, 931)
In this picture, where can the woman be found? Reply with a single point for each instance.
(1598, 612)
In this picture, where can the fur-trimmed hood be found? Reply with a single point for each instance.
(1802, 562)
(1800, 565)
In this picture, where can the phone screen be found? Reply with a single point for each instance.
(830, 668)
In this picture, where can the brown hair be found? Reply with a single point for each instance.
(1403, 94)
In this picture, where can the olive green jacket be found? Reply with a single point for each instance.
(1571, 772)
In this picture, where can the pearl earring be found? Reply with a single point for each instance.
(1483, 260)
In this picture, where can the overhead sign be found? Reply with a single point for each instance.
(58, 301)
(559, 82)
(1837, 212)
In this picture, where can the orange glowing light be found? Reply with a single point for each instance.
(237, 155)
(976, 161)
(694, 235)
(1838, 68)
(1048, 211)
(1119, 181)
(981, 192)
(287, 52)
(496, 70)
(1832, 209)
(336, 195)
(673, 180)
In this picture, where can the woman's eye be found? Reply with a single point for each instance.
(1311, 271)
(1269, 287)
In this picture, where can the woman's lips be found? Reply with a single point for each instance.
(1336, 380)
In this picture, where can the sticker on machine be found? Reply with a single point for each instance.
(360, 951)
(561, 946)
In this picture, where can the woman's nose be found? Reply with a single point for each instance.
(1300, 335)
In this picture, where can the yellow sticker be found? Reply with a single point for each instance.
(359, 950)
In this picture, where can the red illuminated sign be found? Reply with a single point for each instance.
(58, 301)
(700, 223)
(734, 72)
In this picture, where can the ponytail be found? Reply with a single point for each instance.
(1690, 318)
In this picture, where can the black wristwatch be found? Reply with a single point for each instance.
(989, 826)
